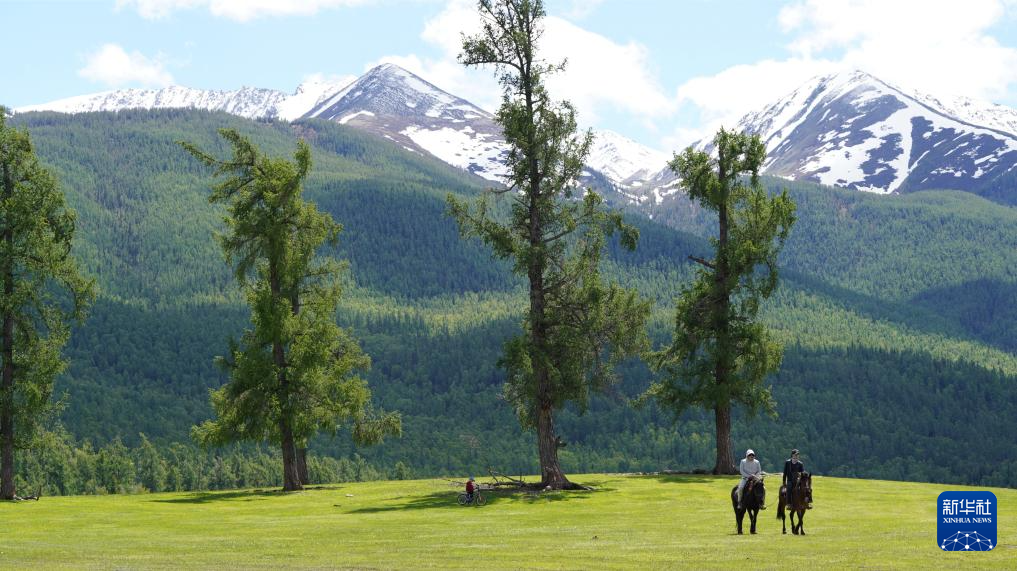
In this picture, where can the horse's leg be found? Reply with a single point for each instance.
(780, 514)
(801, 522)
(734, 506)
(739, 514)
(794, 526)
(752, 518)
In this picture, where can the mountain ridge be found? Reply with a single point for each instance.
(848, 129)
(246, 102)
(380, 101)
(856, 131)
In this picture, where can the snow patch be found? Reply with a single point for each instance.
(351, 116)
(471, 152)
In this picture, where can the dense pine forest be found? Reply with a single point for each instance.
(898, 314)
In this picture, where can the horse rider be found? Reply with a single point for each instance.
(749, 467)
(793, 469)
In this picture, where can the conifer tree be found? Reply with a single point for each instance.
(576, 327)
(42, 292)
(720, 353)
(293, 373)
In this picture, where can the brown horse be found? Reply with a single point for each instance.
(801, 497)
(753, 498)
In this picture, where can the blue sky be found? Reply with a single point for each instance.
(661, 72)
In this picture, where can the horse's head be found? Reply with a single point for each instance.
(805, 486)
(758, 490)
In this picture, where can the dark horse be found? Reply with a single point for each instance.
(753, 498)
(801, 497)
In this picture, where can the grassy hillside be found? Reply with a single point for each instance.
(884, 300)
(628, 522)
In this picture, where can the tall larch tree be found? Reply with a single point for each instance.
(720, 353)
(293, 373)
(43, 292)
(576, 327)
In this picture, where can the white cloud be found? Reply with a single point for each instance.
(113, 66)
(722, 99)
(940, 46)
(582, 8)
(156, 9)
(601, 73)
(239, 10)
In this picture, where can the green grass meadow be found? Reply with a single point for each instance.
(628, 522)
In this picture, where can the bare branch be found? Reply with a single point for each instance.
(703, 262)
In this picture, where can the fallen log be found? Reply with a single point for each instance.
(508, 480)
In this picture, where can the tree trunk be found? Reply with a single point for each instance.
(725, 454)
(725, 359)
(302, 465)
(551, 474)
(7, 377)
(291, 476)
(7, 425)
(547, 441)
(547, 444)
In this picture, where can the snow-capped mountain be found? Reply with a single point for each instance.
(623, 160)
(853, 130)
(397, 105)
(392, 103)
(248, 102)
(991, 115)
(400, 106)
(850, 130)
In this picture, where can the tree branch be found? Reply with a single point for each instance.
(702, 261)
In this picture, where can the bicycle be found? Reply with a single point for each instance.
(478, 499)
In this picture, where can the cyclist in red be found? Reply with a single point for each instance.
(470, 487)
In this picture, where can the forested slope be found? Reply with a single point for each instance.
(898, 312)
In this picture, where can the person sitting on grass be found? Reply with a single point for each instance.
(470, 487)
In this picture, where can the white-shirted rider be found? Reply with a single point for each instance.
(749, 467)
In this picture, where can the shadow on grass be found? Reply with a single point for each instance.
(685, 478)
(237, 495)
(449, 500)
(206, 497)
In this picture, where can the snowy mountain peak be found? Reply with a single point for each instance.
(973, 111)
(249, 102)
(854, 130)
(624, 160)
(391, 90)
(848, 129)
(850, 78)
(775, 123)
(393, 103)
